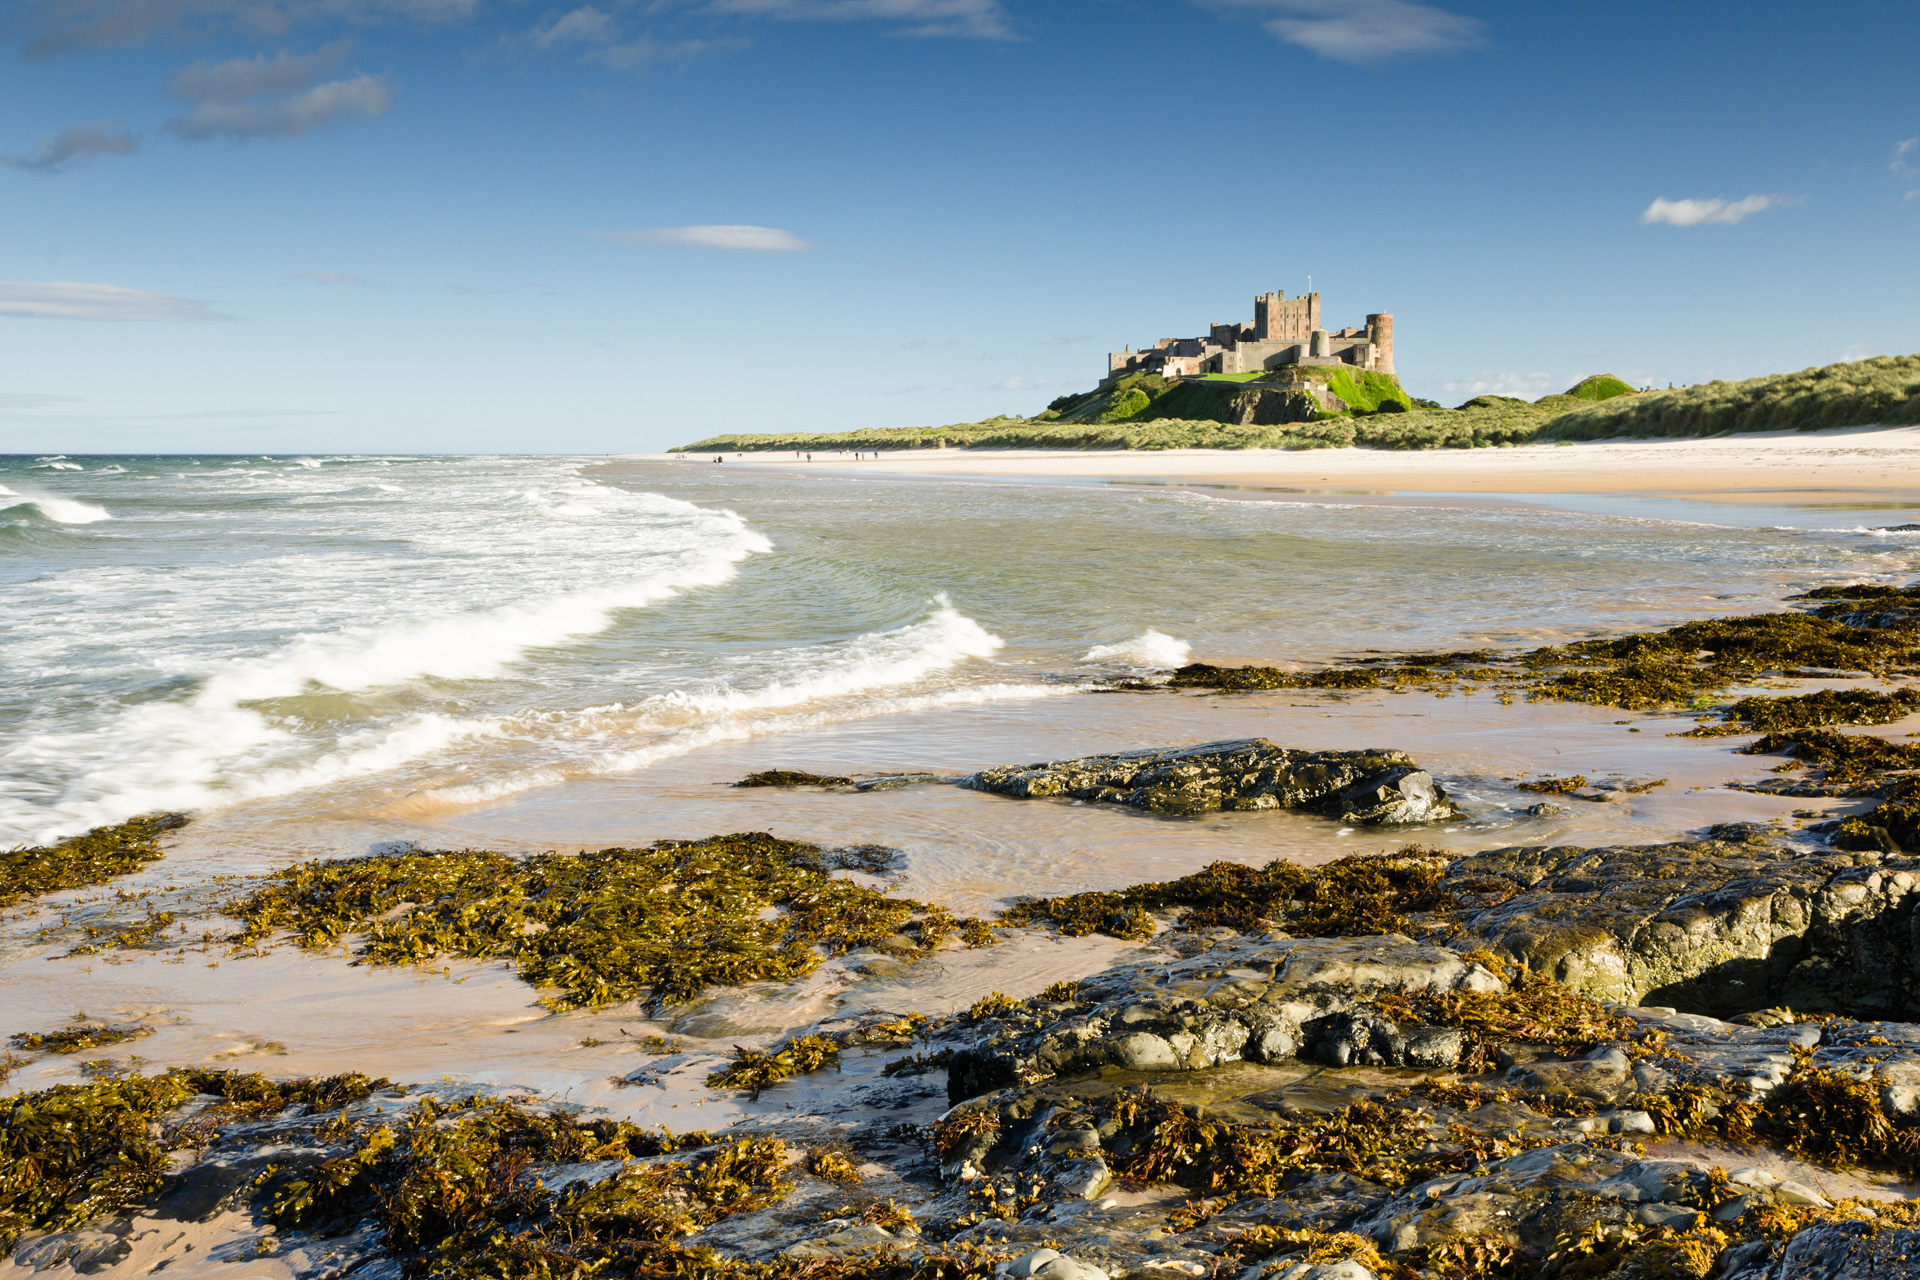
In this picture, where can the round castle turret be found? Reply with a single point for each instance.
(1380, 333)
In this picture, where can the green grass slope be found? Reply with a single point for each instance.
(1601, 386)
(1144, 411)
(1881, 392)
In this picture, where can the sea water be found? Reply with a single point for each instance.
(325, 656)
(209, 633)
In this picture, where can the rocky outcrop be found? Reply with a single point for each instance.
(1841, 1251)
(1719, 926)
(1269, 1001)
(1375, 787)
(1303, 1048)
(1537, 1197)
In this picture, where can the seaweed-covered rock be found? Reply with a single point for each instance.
(1537, 1197)
(1712, 926)
(1836, 1251)
(1267, 1001)
(1379, 787)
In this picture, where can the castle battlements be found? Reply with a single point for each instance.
(1285, 331)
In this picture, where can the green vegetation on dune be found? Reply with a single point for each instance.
(1881, 392)
(1145, 411)
(1364, 390)
(1601, 386)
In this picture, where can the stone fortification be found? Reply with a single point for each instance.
(1285, 331)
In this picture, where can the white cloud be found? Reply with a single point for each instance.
(76, 300)
(1361, 31)
(1527, 386)
(54, 27)
(968, 19)
(1904, 169)
(282, 74)
(1020, 384)
(79, 145)
(262, 97)
(1694, 213)
(597, 37)
(735, 238)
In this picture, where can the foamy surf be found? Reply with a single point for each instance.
(57, 509)
(396, 671)
(1150, 648)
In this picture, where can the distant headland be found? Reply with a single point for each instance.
(1286, 382)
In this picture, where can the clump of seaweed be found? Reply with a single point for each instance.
(1819, 709)
(1553, 786)
(1534, 1011)
(833, 1162)
(991, 1006)
(1892, 827)
(755, 1069)
(1393, 1142)
(661, 924)
(456, 1190)
(73, 1151)
(962, 1127)
(143, 934)
(1823, 1116)
(792, 778)
(1357, 896)
(77, 1150)
(83, 1034)
(80, 861)
(1262, 1241)
(1866, 629)
(1842, 763)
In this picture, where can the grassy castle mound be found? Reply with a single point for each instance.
(1145, 411)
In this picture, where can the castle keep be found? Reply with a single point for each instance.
(1285, 331)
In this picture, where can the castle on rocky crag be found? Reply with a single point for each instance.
(1285, 331)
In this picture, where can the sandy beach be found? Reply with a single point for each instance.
(583, 654)
(1822, 468)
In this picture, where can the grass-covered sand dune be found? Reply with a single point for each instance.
(1145, 412)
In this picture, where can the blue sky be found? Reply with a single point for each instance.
(352, 225)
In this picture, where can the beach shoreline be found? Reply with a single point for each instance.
(1835, 467)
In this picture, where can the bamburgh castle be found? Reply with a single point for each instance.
(1285, 331)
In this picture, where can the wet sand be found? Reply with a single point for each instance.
(465, 1023)
(1837, 467)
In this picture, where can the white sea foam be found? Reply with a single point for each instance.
(1148, 649)
(734, 728)
(55, 464)
(216, 750)
(59, 510)
(402, 660)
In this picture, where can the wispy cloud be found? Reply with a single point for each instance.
(272, 97)
(1020, 384)
(735, 238)
(1698, 213)
(77, 300)
(965, 19)
(1527, 386)
(1907, 171)
(598, 37)
(1362, 31)
(53, 27)
(70, 148)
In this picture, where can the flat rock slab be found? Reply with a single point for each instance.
(1371, 787)
(1718, 926)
